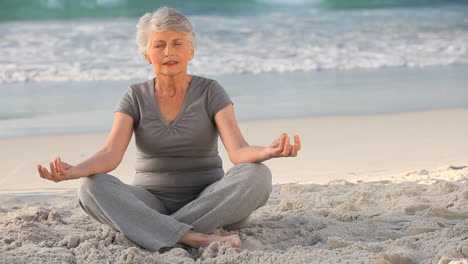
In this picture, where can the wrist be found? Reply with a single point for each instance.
(268, 154)
(76, 172)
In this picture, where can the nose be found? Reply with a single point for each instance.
(167, 51)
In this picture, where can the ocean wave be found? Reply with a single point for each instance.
(12, 10)
(277, 41)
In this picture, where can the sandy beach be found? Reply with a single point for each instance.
(365, 189)
(377, 91)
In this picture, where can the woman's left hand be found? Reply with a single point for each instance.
(282, 147)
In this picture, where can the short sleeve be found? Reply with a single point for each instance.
(218, 99)
(128, 104)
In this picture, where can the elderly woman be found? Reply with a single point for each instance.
(180, 193)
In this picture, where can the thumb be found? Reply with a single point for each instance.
(275, 143)
(64, 164)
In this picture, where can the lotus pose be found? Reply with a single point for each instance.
(180, 192)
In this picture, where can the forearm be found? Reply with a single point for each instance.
(100, 162)
(248, 153)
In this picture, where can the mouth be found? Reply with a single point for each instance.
(170, 63)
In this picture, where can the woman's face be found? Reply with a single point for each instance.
(169, 52)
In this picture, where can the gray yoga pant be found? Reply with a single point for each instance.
(144, 218)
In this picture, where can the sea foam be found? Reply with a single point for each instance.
(285, 40)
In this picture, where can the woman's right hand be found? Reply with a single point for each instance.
(59, 171)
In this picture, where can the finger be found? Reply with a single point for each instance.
(297, 142)
(296, 146)
(280, 147)
(294, 150)
(39, 168)
(56, 173)
(53, 172)
(46, 173)
(287, 147)
(290, 150)
(59, 166)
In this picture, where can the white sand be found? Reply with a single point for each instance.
(404, 200)
(341, 222)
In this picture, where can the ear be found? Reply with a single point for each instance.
(192, 54)
(147, 59)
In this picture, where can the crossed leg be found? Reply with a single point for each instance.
(142, 217)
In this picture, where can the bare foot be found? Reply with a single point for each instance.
(196, 239)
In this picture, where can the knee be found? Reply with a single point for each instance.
(257, 175)
(91, 185)
(261, 173)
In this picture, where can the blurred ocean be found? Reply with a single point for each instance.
(65, 63)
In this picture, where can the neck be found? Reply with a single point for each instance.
(172, 85)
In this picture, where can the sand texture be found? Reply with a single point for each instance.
(416, 217)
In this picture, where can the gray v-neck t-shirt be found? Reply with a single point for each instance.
(176, 160)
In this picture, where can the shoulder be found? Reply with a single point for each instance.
(215, 94)
(211, 88)
(216, 97)
(134, 99)
(141, 88)
(205, 82)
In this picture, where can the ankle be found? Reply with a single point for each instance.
(193, 238)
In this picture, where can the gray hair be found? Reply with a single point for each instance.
(162, 19)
